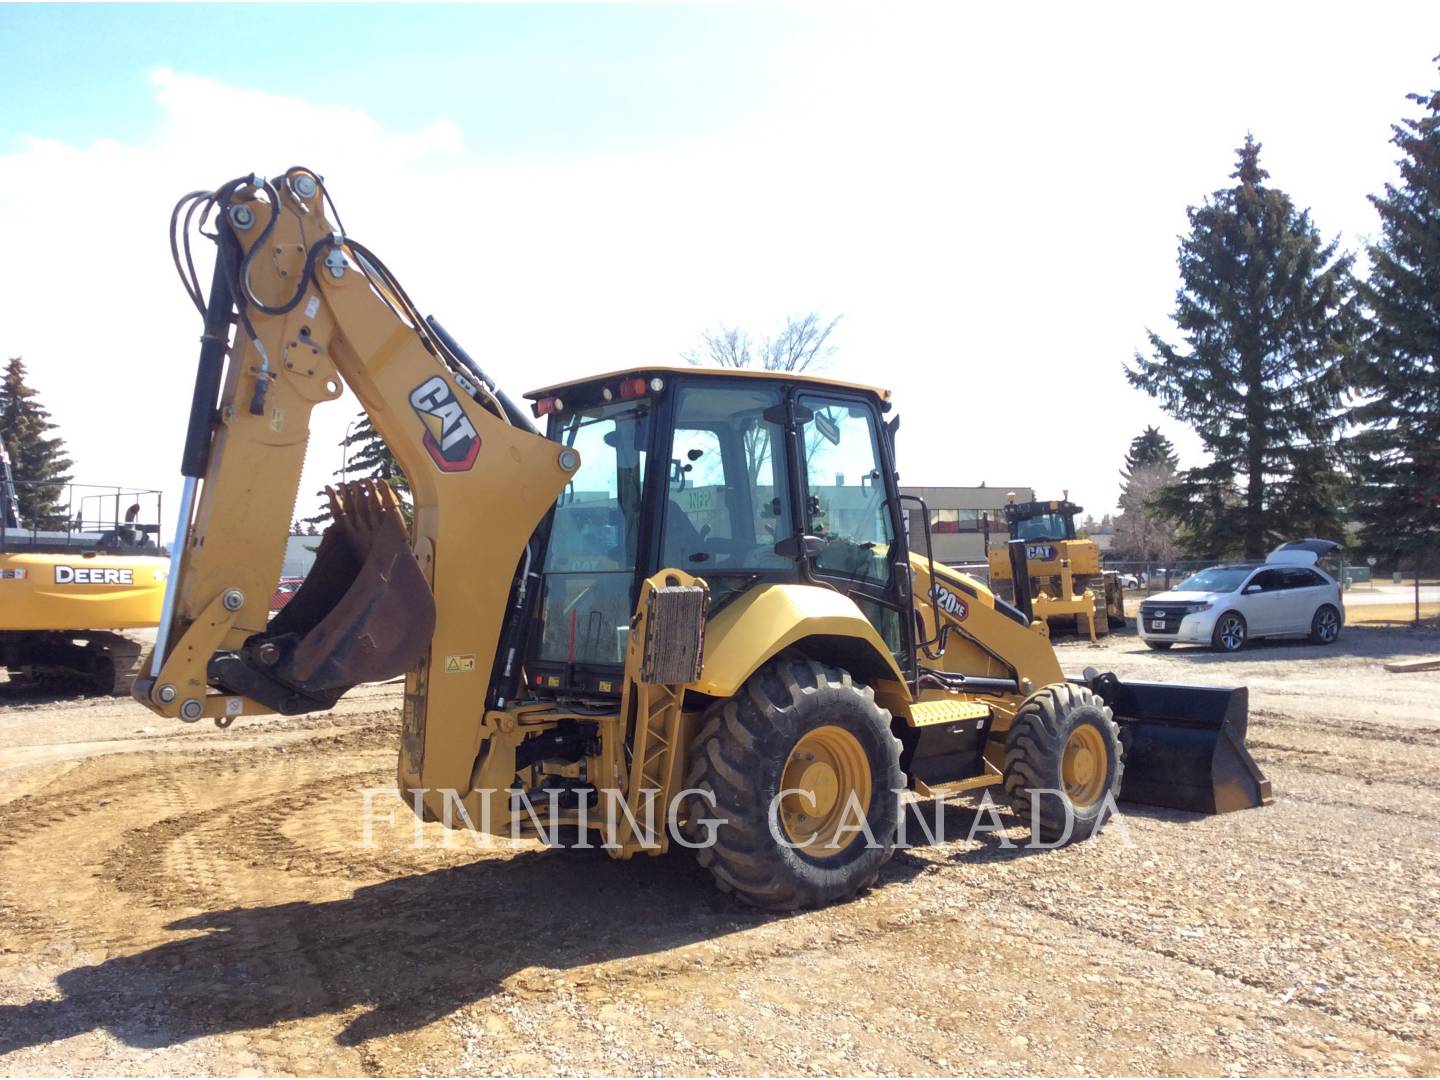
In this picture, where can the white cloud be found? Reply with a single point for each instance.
(993, 206)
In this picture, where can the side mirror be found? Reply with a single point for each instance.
(1250, 589)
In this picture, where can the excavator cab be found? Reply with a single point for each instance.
(739, 478)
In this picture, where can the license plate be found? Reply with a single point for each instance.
(1157, 624)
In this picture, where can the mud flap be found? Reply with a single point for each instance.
(365, 612)
(1185, 745)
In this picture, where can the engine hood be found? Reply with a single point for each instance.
(1175, 596)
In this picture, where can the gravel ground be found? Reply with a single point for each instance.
(179, 900)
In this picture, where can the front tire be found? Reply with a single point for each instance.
(1063, 750)
(1231, 633)
(787, 768)
(1325, 626)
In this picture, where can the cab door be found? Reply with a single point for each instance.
(848, 506)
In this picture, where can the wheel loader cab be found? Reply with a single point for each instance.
(742, 480)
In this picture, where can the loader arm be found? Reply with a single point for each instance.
(313, 311)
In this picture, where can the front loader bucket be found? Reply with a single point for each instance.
(1185, 746)
(365, 612)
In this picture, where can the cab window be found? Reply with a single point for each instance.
(589, 570)
(845, 489)
(727, 501)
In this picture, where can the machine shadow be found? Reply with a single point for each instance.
(25, 694)
(408, 951)
(962, 818)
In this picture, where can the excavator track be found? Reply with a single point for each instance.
(103, 662)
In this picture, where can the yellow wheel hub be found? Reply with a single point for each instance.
(1085, 765)
(826, 778)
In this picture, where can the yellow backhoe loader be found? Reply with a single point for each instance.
(1061, 579)
(72, 593)
(691, 596)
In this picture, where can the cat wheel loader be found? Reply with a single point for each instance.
(1058, 571)
(690, 595)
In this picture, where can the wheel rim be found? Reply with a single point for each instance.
(1329, 625)
(1084, 766)
(1232, 633)
(825, 769)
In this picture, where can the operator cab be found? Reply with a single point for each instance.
(90, 520)
(736, 477)
(1052, 520)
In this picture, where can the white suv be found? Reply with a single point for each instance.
(1225, 606)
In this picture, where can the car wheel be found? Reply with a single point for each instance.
(1325, 626)
(1231, 633)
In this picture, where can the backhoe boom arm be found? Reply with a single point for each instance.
(314, 311)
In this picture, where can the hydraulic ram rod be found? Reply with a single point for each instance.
(196, 456)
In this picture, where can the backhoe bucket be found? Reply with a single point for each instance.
(1185, 746)
(365, 612)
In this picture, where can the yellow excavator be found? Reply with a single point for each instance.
(689, 602)
(72, 595)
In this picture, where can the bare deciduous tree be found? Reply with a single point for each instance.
(802, 344)
(1141, 531)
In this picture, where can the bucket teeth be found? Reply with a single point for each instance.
(366, 504)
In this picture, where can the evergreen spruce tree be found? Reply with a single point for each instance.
(1266, 310)
(38, 461)
(367, 458)
(1398, 501)
(1149, 448)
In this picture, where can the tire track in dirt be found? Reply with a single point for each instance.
(176, 852)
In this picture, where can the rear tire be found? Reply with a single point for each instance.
(1159, 646)
(1063, 750)
(1231, 633)
(796, 724)
(1325, 626)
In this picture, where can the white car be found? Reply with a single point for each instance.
(1225, 606)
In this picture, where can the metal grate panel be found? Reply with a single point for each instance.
(674, 635)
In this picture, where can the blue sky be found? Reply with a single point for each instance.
(990, 195)
(519, 81)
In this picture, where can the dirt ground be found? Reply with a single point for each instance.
(178, 900)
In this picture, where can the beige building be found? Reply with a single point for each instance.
(957, 519)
